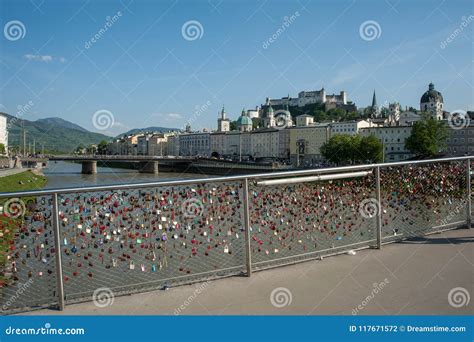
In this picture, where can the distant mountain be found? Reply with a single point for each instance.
(62, 123)
(153, 129)
(55, 134)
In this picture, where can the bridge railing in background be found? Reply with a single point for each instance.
(63, 246)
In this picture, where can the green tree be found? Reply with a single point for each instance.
(257, 123)
(428, 137)
(350, 149)
(2, 149)
(370, 150)
(102, 147)
(320, 116)
(233, 125)
(338, 149)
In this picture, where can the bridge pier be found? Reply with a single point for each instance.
(89, 167)
(148, 167)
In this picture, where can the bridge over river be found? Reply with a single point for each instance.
(152, 164)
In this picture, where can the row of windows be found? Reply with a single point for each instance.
(462, 132)
(343, 129)
(461, 140)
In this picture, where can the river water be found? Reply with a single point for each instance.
(66, 175)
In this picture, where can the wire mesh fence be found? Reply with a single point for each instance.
(131, 239)
(306, 220)
(422, 198)
(27, 253)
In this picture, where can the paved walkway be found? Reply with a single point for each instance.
(417, 276)
(11, 171)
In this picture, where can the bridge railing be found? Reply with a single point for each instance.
(67, 245)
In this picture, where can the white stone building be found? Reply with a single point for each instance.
(158, 144)
(195, 144)
(264, 143)
(4, 132)
(393, 141)
(461, 140)
(142, 144)
(432, 102)
(310, 97)
(348, 127)
(304, 120)
(172, 145)
(223, 123)
(408, 118)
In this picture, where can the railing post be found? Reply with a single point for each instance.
(379, 208)
(57, 247)
(469, 194)
(248, 254)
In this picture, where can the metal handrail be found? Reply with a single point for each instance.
(334, 172)
(225, 178)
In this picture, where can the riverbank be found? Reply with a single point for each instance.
(22, 181)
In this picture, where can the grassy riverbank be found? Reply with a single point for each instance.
(11, 221)
(22, 182)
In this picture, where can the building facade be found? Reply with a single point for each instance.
(158, 145)
(223, 123)
(309, 97)
(432, 102)
(4, 132)
(172, 145)
(461, 140)
(306, 142)
(393, 141)
(348, 127)
(195, 144)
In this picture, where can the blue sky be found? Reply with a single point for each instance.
(144, 72)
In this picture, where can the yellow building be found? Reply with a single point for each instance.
(306, 142)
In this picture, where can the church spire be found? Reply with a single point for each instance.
(374, 100)
(223, 113)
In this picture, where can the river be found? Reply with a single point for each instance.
(65, 175)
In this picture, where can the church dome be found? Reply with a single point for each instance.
(244, 120)
(431, 95)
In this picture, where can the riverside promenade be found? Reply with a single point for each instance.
(411, 277)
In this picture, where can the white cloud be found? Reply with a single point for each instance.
(174, 116)
(168, 117)
(44, 58)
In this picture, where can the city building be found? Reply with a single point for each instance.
(237, 145)
(309, 97)
(254, 113)
(4, 132)
(461, 140)
(304, 120)
(392, 139)
(218, 141)
(306, 142)
(432, 102)
(142, 144)
(244, 123)
(195, 144)
(408, 118)
(158, 144)
(284, 144)
(223, 123)
(269, 119)
(393, 114)
(348, 127)
(172, 145)
(264, 143)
